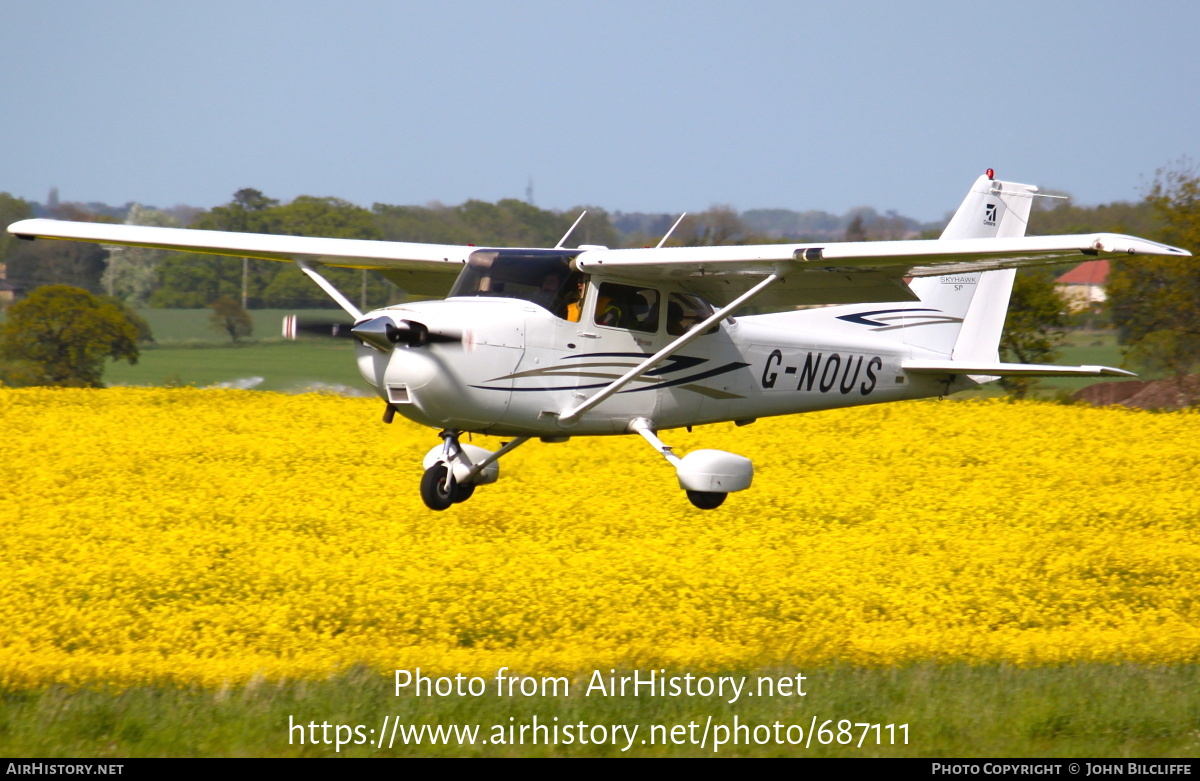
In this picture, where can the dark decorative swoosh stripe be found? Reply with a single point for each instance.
(672, 363)
(713, 393)
(729, 367)
(569, 371)
(592, 386)
(861, 317)
(677, 363)
(928, 320)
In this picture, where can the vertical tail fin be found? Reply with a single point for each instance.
(974, 304)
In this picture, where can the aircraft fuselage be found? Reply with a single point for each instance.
(517, 366)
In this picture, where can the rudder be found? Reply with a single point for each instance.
(974, 305)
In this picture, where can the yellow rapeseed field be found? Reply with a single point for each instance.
(211, 537)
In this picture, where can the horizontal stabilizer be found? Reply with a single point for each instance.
(1011, 369)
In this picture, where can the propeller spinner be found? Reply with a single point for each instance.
(382, 333)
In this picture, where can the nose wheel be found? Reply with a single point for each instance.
(453, 471)
(439, 489)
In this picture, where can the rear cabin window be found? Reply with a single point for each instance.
(685, 311)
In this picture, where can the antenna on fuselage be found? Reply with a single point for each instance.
(570, 230)
(673, 227)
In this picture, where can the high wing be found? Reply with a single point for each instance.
(850, 272)
(421, 269)
(838, 273)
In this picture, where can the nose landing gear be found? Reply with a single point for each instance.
(454, 470)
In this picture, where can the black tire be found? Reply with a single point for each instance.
(706, 500)
(435, 490)
(463, 492)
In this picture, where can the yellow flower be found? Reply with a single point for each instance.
(207, 537)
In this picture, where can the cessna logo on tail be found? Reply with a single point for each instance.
(989, 214)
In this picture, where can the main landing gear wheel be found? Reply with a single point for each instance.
(438, 491)
(706, 500)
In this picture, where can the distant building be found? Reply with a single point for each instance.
(1083, 286)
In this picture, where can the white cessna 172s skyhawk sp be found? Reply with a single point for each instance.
(556, 343)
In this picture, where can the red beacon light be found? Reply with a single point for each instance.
(991, 174)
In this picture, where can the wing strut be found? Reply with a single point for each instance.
(328, 287)
(570, 416)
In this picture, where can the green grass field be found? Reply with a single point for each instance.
(1090, 348)
(182, 327)
(189, 351)
(283, 366)
(1090, 710)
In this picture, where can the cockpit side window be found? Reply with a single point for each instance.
(627, 306)
(542, 277)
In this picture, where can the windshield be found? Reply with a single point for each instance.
(542, 277)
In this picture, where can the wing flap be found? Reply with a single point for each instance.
(805, 288)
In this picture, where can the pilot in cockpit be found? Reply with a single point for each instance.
(547, 295)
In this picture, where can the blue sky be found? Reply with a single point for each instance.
(632, 106)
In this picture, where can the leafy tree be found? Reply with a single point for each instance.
(335, 218)
(189, 280)
(718, 226)
(329, 217)
(11, 210)
(132, 272)
(249, 212)
(596, 228)
(889, 227)
(1053, 217)
(506, 223)
(60, 335)
(193, 280)
(1034, 328)
(32, 264)
(1155, 302)
(145, 335)
(229, 316)
(855, 231)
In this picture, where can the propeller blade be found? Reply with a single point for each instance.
(293, 327)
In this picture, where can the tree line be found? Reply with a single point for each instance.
(1154, 303)
(143, 277)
